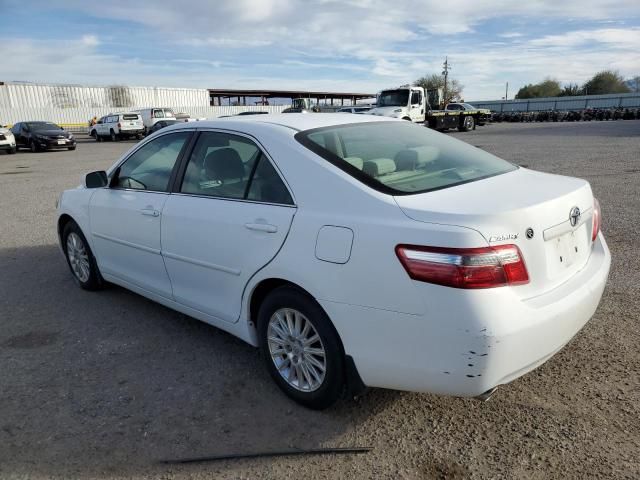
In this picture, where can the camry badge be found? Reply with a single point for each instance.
(574, 216)
(503, 237)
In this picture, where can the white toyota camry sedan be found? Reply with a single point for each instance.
(353, 250)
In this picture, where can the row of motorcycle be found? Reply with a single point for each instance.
(586, 115)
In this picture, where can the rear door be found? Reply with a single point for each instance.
(226, 219)
(125, 217)
(103, 126)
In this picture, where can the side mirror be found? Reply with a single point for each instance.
(96, 179)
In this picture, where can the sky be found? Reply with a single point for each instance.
(346, 45)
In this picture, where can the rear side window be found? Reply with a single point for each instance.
(400, 158)
(231, 166)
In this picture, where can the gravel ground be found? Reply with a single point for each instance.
(105, 385)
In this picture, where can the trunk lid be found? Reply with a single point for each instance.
(504, 207)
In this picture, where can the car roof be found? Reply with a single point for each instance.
(295, 121)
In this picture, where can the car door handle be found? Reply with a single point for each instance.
(150, 212)
(261, 227)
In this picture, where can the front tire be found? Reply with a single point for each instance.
(468, 123)
(80, 258)
(301, 349)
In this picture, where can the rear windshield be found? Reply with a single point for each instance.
(131, 116)
(401, 158)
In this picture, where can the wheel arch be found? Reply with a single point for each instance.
(355, 385)
(63, 221)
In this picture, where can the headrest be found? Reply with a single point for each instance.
(415, 157)
(355, 161)
(223, 164)
(379, 166)
(426, 154)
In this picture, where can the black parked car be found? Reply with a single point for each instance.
(161, 124)
(38, 136)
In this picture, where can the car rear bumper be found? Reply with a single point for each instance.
(131, 131)
(468, 341)
(5, 145)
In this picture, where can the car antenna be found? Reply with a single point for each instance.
(275, 453)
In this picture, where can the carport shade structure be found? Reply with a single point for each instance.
(218, 96)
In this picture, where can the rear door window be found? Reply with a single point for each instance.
(130, 117)
(232, 166)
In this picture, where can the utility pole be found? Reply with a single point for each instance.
(506, 92)
(445, 72)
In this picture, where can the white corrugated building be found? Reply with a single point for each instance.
(73, 105)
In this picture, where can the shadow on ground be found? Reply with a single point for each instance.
(110, 383)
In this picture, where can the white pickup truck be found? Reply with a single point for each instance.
(412, 104)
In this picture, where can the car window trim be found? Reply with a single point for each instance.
(173, 170)
(185, 160)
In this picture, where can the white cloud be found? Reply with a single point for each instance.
(511, 35)
(90, 40)
(617, 37)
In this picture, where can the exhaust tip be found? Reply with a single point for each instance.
(484, 397)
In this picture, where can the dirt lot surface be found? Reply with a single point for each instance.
(105, 385)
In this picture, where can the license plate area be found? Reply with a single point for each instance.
(568, 252)
(61, 142)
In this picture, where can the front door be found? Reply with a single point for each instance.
(126, 216)
(417, 106)
(228, 220)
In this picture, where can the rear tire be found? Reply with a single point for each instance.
(114, 137)
(80, 258)
(295, 354)
(13, 150)
(72, 148)
(33, 147)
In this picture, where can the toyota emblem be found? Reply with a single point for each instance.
(574, 216)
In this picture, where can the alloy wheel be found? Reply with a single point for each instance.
(296, 350)
(78, 257)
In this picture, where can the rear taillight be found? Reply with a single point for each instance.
(597, 220)
(485, 267)
(119, 126)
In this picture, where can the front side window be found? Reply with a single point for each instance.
(400, 158)
(231, 166)
(150, 167)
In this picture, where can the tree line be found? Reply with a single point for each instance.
(606, 81)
